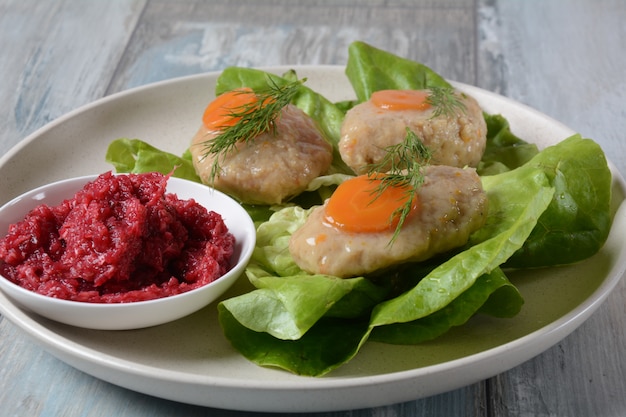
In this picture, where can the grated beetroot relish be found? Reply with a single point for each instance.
(120, 239)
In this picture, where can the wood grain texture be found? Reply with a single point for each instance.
(563, 57)
(57, 56)
(569, 65)
(190, 37)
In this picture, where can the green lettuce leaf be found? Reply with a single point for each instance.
(272, 243)
(137, 156)
(329, 343)
(491, 294)
(287, 307)
(370, 69)
(577, 223)
(277, 323)
(504, 150)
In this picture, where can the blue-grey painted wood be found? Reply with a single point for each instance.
(562, 57)
(56, 56)
(565, 58)
(188, 37)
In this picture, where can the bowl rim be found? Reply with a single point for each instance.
(243, 250)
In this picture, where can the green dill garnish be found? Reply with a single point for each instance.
(253, 119)
(444, 101)
(403, 163)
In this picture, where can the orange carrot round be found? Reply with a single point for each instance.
(401, 99)
(219, 113)
(356, 206)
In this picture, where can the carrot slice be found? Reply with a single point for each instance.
(355, 205)
(219, 113)
(401, 99)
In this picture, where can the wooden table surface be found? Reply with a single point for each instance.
(565, 58)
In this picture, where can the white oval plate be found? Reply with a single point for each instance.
(190, 361)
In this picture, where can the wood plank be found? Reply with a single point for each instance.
(569, 65)
(189, 37)
(57, 56)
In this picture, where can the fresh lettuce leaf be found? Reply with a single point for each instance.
(504, 150)
(287, 313)
(271, 251)
(329, 343)
(287, 307)
(491, 294)
(137, 156)
(370, 69)
(577, 223)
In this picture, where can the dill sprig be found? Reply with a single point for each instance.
(253, 119)
(445, 102)
(403, 163)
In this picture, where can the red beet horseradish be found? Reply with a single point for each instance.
(122, 238)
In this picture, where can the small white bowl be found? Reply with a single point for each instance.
(140, 314)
